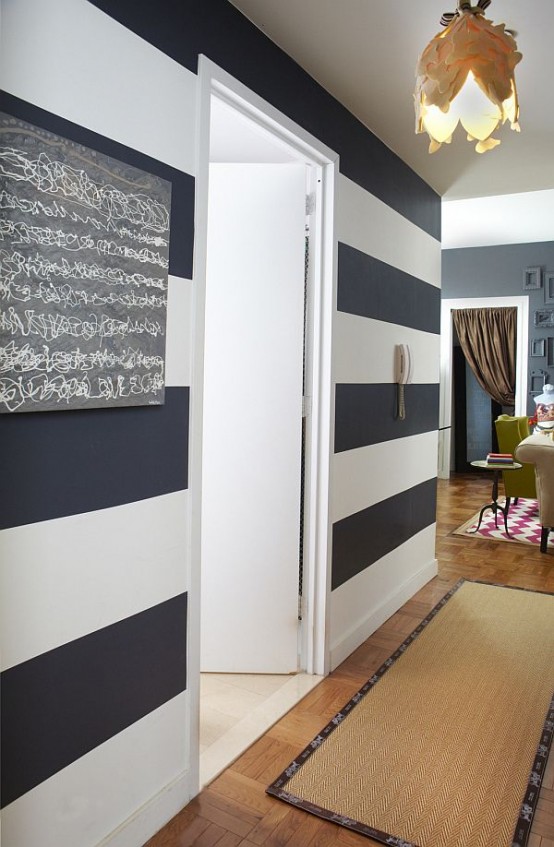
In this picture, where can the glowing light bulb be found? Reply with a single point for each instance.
(465, 75)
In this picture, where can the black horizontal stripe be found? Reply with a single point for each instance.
(61, 705)
(365, 537)
(219, 31)
(374, 289)
(366, 413)
(63, 463)
(182, 185)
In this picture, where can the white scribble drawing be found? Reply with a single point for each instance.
(20, 233)
(15, 392)
(84, 262)
(66, 296)
(9, 201)
(40, 267)
(21, 359)
(53, 326)
(53, 177)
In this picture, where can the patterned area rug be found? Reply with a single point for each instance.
(523, 525)
(446, 745)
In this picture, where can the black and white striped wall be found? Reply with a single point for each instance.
(94, 516)
(95, 562)
(384, 474)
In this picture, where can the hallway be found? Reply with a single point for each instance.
(234, 811)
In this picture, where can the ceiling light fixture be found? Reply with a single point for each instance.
(466, 75)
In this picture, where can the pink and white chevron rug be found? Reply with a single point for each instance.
(523, 525)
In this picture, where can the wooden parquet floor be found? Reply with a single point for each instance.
(234, 811)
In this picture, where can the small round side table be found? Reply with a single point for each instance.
(495, 505)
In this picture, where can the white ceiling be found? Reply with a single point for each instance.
(364, 52)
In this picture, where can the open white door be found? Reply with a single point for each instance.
(252, 418)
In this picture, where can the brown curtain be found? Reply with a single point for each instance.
(488, 341)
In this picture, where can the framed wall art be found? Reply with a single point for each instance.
(549, 287)
(538, 380)
(550, 351)
(537, 347)
(544, 318)
(84, 276)
(532, 278)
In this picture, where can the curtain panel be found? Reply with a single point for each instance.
(488, 341)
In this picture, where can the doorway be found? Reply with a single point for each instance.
(252, 450)
(473, 415)
(266, 381)
(446, 441)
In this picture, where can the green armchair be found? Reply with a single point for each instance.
(510, 431)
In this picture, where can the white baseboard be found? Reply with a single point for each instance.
(378, 615)
(149, 819)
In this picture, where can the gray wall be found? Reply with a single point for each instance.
(498, 271)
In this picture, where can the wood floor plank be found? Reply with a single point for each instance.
(183, 832)
(234, 811)
(548, 779)
(229, 840)
(212, 835)
(221, 811)
(296, 729)
(268, 824)
(246, 792)
(285, 831)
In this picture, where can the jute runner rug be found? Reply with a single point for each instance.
(446, 745)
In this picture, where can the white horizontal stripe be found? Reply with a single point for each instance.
(70, 58)
(363, 350)
(369, 225)
(65, 578)
(368, 475)
(365, 602)
(86, 801)
(178, 349)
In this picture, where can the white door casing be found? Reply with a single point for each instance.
(214, 82)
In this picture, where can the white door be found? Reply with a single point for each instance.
(252, 418)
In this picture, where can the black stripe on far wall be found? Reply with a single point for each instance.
(367, 413)
(182, 185)
(70, 462)
(64, 703)
(373, 289)
(362, 539)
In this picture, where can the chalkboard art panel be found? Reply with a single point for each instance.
(84, 254)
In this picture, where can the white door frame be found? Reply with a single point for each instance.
(445, 415)
(212, 80)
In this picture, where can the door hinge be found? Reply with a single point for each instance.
(306, 406)
(310, 203)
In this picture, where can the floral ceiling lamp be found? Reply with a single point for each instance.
(466, 75)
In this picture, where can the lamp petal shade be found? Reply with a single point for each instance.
(466, 75)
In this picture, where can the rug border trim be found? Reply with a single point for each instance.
(531, 796)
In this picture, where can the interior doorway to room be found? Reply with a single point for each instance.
(253, 360)
(261, 579)
(447, 458)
